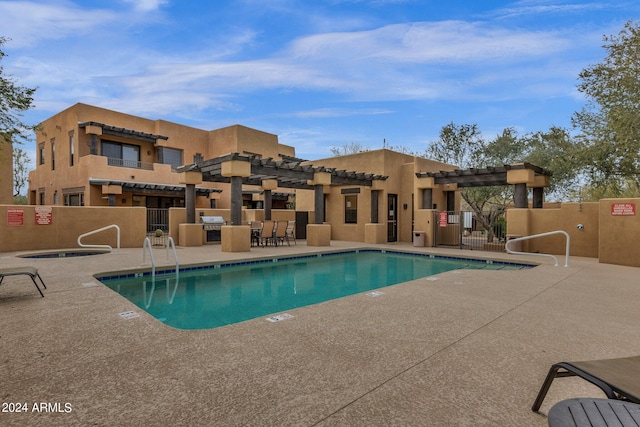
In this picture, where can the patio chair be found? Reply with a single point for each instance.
(617, 378)
(291, 232)
(256, 229)
(594, 412)
(281, 232)
(266, 232)
(32, 272)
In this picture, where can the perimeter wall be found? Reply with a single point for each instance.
(608, 230)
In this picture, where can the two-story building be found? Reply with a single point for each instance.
(91, 156)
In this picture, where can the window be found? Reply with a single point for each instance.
(71, 149)
(53, 154)
(41, 153)
(120, 154)
(41, 197)
(55, 197)
(197, 158)
(74, 199)
(351, 209)
(170, 156)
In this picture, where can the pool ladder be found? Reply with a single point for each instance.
(170, 295)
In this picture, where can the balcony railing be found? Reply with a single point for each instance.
(112, 161)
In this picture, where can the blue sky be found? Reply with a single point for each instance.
(318, 74)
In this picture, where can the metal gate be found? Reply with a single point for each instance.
(464, 231)
(157, 219)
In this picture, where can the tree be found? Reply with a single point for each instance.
(20, 170)
(464, 146)
(351, 148)
(14, 101)
(610, 120)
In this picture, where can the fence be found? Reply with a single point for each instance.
(157, 219)
(464, 230)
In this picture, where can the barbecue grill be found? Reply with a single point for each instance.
(212, 225)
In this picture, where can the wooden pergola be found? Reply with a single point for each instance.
(239, 169)
(521, 175)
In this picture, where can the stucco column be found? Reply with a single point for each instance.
(520, 196)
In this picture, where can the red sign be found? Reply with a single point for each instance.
(15, 217)
(43, 215)
(623, 209)
(443, 216)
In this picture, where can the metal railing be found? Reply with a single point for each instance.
(550, 233)
(98, 231)
(170, 294)
(124, 163)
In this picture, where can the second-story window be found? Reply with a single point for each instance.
(53, 154)
(71, 149)
(41, 153)
(120, 154)
(170, 156)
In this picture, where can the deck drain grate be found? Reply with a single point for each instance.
(129, 315)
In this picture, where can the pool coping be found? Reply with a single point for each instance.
(148, 271)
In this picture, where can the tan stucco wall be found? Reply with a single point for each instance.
(527, 222)
(69, 222)
(619, 235)
(6, 172)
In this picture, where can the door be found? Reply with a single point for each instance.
(392, 218)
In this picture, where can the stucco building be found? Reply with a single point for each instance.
(91, 156)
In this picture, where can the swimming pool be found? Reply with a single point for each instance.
(222, 294)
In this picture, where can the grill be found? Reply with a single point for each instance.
(211, 222)
(212, 225)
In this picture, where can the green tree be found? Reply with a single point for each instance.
(20, 170)
(14, 101)
(610, 120)
(464, 146)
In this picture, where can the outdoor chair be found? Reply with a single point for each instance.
(256, 229)
(617, 378)
(267, 232)
(290, 233)
(281, 232)
(32, 272)
(594, 412)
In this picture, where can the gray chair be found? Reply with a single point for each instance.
(617, 378)
(32, 272)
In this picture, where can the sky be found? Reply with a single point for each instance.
(318, 73)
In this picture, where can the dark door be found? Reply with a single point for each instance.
(392, 218)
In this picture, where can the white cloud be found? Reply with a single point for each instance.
(147, 5)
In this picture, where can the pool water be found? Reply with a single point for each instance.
(224, 294)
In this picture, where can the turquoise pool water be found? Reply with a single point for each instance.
(217, 295)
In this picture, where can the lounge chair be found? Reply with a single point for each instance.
(23, 271)
(618, 378)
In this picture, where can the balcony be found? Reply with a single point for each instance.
(112, 161)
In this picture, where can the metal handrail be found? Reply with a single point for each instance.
(147, 243)
(98, 231)
(520, 239)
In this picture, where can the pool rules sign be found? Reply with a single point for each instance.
(623, 209)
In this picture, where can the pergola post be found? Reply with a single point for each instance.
(190, 233)
(318, 200)
(267, 186)
(520, 198)
(236, 237)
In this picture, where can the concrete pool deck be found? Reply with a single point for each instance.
(469, 348)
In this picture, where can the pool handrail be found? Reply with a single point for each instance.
(520, 239)
(147, 243)
(98, 231)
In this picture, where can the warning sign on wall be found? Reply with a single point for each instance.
(43, 215)
(15, 217)
(443, 219)
(623, 209)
